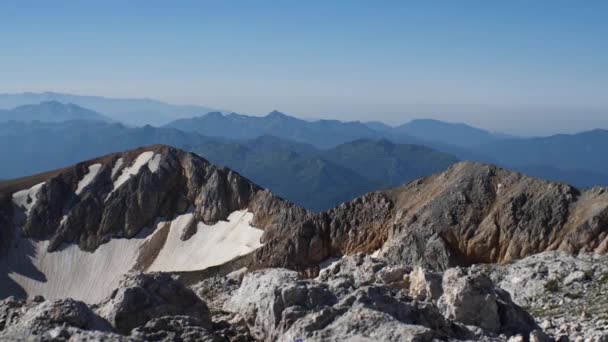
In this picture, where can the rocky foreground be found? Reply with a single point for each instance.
(550, 296)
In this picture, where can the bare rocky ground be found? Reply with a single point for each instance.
(568, 295)
(545, 297)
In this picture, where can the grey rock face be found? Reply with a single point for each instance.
(355, 298)
(472, 213)
(175, 328)
(100, 211)
(425, 285)
(22, 318)
(143, 297)
(566, 294)
(470, 298)
(217, 290)
(150, 307)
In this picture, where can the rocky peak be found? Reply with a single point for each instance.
(119, 194)
(470, 213)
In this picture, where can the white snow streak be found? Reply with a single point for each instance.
(132, 170)
(88, 178)
(210, 246)
(154, 163)
(117, 167)
(26, 199)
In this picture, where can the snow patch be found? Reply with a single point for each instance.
(211, 245)
(154, 163)
(26, 199)
(132, 170)
(92, 276)
(88, 178)
(117, 167)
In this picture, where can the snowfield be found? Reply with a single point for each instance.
(90, 277)
(69, 272)
(210, 246)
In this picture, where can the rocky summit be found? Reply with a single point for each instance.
(157, 244)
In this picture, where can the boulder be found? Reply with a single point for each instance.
(175, 328)
(424, 284)
(469, 297)
(21, 318)
(279, 306)
(143, 297)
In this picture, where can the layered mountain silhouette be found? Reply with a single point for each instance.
(40, 146)
(567, 158)
(45, 145)
(50, 111)
(321, 179)
(457, 134)
(134, 112)
(321, 133)
(313, 178)
(582, 151)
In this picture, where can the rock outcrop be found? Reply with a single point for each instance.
(143, 297)
(471, 213)
(40, 317)
(120, 194)
(126, 212)
(145, 307)
(565, 293)
(364, 298)
(469, 297)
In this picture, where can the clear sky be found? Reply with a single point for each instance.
(527, 67)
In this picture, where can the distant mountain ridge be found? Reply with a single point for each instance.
(576, 158)
(39, 146)
(430, 130)
(50, 111)
(130, 111)
(320, 133)
(585, 150)
(320, 179)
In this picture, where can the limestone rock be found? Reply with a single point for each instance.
(577, 307)
(175, 328)
(469, 297)
(425, 285)
(143, 297)
(21, 318)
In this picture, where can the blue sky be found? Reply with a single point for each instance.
(526, 67)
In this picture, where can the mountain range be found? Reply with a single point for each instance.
(188, 250)
(320, 179)
(50, 111)
(320, 133)
(458, 134)
(326, 151)
(131, 112)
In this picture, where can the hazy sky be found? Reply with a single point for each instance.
(529, 67)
